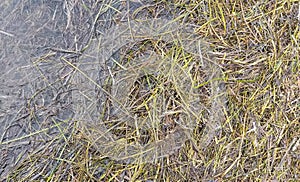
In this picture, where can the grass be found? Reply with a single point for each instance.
(256, 46)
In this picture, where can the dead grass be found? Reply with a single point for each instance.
(256, 44)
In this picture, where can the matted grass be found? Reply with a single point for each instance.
(256, 45)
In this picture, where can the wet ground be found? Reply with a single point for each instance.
(34, 92)
(51, 81)
(35, 88)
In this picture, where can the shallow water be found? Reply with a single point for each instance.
(35, 85)
(31, 89)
